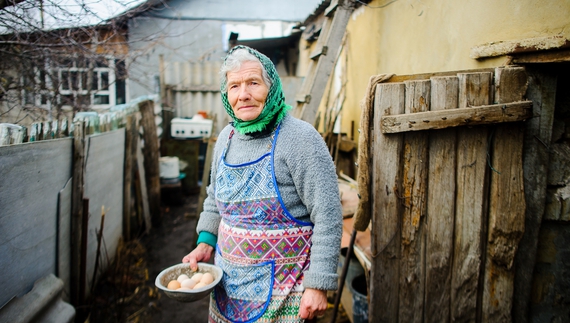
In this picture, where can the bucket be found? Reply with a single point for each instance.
(359, 299)
(169, 167)
(354, 269)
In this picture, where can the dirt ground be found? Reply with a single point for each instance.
(127, 293)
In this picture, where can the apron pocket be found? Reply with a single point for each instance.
(245, 290)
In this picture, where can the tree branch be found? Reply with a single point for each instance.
(8, 3)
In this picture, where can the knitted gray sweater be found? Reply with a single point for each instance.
(307, 181)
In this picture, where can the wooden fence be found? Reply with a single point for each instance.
(67, 203)
(39, 231)
(448, 197)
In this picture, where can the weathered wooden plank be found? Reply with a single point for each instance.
(151, 164)
(470, 217)
(511, 84)
(558, 56)
(385, 241)
(414, 187)
(77, 209)
(142, 188)
(538, 133)
(480, 115)
(427, 76)
(131, 135)
(162, 79)
(440, 205)
(506, 200)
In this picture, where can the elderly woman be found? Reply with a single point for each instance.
(272, 218)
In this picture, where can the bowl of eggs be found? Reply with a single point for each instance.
(182, 284)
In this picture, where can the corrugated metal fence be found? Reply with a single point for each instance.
(192, 87)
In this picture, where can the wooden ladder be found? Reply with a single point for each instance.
(323, 59)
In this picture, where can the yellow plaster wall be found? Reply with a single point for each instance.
(423, 36)
(305, 49)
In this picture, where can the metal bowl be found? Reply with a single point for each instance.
(171, 273)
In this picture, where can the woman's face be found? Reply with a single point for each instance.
(247, 91)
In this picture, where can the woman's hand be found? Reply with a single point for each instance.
(202, 253)
(313, 303)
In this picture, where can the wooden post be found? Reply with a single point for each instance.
(385, 239)
(84, 233)
(77, 211)
(536, 157)
(507, 204)
(471, 197)
(98, 253)
(162, 80)
(440, 205)
(205, 175)
(130, 145)
(141, 189)
(414, 193)
(151, 159)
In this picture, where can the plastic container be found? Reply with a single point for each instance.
(359, 291)
(169, 167)
(11, 134)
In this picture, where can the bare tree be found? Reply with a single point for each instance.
(4, 3)
(58, 57)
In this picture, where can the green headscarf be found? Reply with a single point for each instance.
(274, 109)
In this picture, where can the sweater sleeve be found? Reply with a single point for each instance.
(315, 181)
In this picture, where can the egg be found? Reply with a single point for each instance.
(207, 279)
(199, 285)
(173, 284)
(189, 283)
(197, 277)
(182, 278)
(184, 288)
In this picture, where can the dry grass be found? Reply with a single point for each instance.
(125, 293)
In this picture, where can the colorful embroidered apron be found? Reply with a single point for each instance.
(262, 249)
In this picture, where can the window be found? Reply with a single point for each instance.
(76, 82)
(87, 84)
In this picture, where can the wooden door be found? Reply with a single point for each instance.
(448, 198)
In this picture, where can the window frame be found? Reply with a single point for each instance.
(45, 88)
